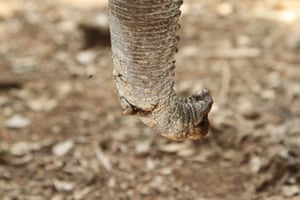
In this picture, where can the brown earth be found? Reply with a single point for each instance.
(62, 135)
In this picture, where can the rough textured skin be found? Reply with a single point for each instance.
(143, 34)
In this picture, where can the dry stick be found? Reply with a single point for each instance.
(226, 79)
(103, 159)
(9, 84)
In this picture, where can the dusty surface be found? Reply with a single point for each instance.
(62, 135)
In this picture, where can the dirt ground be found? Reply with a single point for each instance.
(62, 135)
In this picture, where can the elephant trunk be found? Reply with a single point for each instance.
(143, 34)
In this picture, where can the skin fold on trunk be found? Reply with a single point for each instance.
(143, 37)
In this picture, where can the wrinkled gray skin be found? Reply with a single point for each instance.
(143, 34)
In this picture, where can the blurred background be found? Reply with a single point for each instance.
(62, 135)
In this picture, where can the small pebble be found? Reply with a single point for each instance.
(112, 182)
(143, 147)
(291, 190)
(150, 164)
(101, 20)
(268, 94)
(57, 197)
(174, 147)
(255, 164)
(20, 148)
(17, 122)
(248, 110)
(186, 152)
(86, 57)
(166, 171)
(63, 185)
(243, 40)
(3, 100)
(63, 148)
(224, 9)
(80, 194)
(42, 104)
